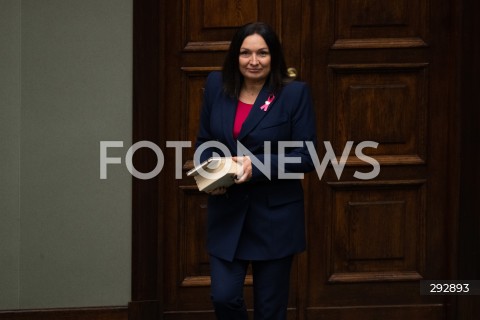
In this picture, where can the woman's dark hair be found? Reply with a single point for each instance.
(233, 79)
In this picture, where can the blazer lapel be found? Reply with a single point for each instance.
(228, 118)
(256, 114)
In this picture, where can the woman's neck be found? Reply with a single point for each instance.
(250, 91)
(253, 86)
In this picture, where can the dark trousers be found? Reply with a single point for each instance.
(271, 281)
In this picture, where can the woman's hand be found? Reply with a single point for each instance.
(245, 173)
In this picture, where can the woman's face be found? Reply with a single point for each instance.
(254, 59)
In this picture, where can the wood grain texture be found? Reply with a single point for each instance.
(378, 70)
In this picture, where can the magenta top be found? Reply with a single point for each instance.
(243, 109)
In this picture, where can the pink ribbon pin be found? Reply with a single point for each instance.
(267, 103)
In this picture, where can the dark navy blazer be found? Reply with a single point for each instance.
(263, 218)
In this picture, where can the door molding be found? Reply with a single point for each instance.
(93, 313)
(147, 257)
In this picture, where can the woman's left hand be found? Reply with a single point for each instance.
(245, 174)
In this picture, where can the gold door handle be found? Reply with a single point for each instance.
(292, 72)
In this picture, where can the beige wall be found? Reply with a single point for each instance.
(65, 85)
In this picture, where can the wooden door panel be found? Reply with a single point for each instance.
(192, 238)
(202, 34)
(378, 231)
(382, 103)
(192, 80)
(210, 24)
(377, 24)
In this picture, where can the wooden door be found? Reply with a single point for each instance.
(379, 71)
(197, 41)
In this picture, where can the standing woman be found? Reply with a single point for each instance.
(260, 219)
